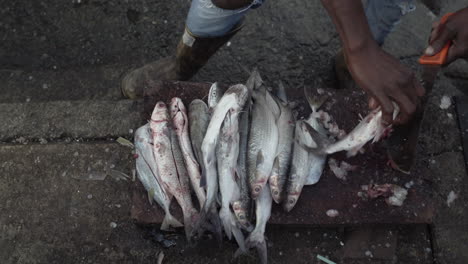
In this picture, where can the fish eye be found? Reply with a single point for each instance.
(257, 189)
(275, 192)
(242, 217)
(291, 201)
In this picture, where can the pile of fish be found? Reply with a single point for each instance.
(237, 155)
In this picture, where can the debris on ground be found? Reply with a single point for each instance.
(394, 195)
(332, 213)
(341, 170)
(324, 259)
(118, 175)
(125, 142)
(445, 102)
(451, 197)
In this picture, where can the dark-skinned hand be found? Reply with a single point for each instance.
(455, 30)
(385, 80)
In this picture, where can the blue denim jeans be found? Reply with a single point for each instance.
(206, 20)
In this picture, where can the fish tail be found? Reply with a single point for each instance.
(315, 102)
(208, 220)
(240, 241)
(227, 219)
(170, 221)
(191, 218)
(257, 240)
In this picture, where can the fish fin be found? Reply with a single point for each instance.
(273, 105)
(276, 165)
(315, 102)
(319, 140)
(281, 93)
(260, 158)
(170, 221)
(236, 175)
(151, 195)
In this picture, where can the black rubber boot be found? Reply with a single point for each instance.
(191, 55)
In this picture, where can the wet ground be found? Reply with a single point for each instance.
(71, 54)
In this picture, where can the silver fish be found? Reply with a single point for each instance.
(263, 140)
(299, 165)
(262, 211)
(370, 128)
(227, 152)
(163, 149)
(180, 122)
(198, 123)
(286, 132)
(147, 172)
(242, 206)
(317, 160)
(232, 101)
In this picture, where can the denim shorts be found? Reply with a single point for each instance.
(206, 20)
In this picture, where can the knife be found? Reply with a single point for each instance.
(401, 145)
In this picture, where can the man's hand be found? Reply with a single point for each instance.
(378, 73)
(385, 80)
(455, 30)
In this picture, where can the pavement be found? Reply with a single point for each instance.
(65, 184)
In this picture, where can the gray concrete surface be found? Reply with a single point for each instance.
(69, 119)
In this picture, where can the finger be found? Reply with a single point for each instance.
(407, 108)
(442, 38)
(373, 104)
(387, 108)
(435, 31)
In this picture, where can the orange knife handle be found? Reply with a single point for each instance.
(441, 57)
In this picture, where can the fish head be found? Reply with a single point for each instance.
(290, 201)
(241, 93)
(274, 187)
(214, 95)
(241, 214)
(174, 106)
(276, 194)
(160, 113)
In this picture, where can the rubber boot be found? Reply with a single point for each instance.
(191, 54)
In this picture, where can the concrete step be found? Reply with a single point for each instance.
(88, 119)
(73, 119)
(86, 83)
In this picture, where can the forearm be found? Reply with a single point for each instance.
(351, 23)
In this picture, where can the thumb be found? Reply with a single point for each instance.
(444, 35)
